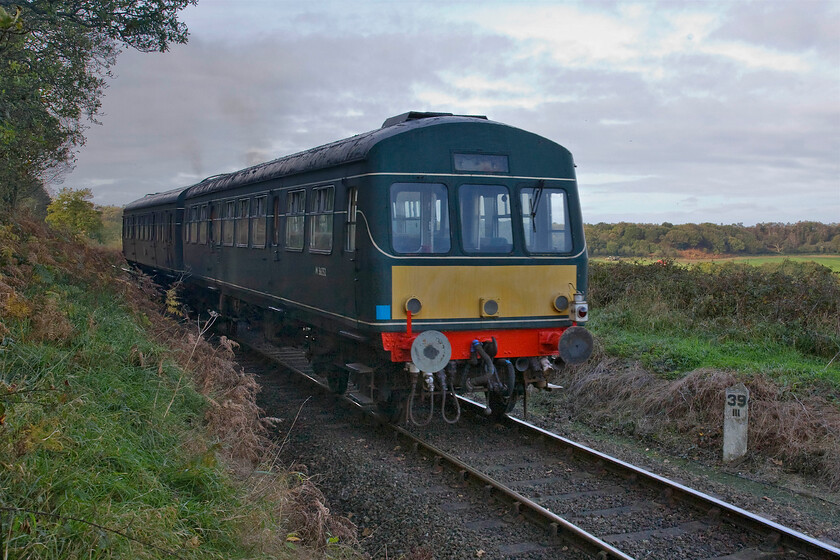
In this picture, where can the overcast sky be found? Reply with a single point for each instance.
(674, 111)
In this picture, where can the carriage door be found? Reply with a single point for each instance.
(350, 264)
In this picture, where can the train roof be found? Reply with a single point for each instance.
(349, 150)
(156, 199)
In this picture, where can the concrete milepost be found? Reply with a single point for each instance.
(735, 422)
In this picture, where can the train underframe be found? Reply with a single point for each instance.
(383, 370)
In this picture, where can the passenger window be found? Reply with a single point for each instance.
(486, 219)
(295, 213)
(545, 216)
(202, 225)
(321, 220)
(193, 233)
(258, 221)
(420, 218)
(242, 223)
(215, 225)
(227, 223)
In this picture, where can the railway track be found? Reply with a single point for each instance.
(584, 502)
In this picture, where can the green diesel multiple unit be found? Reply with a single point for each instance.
(438, 253)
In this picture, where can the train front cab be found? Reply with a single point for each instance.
(488, 276)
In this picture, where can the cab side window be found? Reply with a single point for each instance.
(420, 218)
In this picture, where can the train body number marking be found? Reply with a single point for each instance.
(320, 271)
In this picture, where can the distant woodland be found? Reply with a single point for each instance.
(669, 240)
(663, 240)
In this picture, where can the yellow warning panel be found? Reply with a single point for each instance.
(455, 292)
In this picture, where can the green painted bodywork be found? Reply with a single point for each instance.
(340, 291)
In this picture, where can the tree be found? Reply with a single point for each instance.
(73, 213)
(55, 57)
(111, 225)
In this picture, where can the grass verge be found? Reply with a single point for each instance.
(781, 320)
(124, 434)
(672, 338)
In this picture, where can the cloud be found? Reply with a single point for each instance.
(661, 105)
(803, 26)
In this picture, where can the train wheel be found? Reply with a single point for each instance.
(337, 379)
(392, 405)
(502, 402)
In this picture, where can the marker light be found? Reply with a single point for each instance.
(413, 304)
(489, 307)
(561, 303)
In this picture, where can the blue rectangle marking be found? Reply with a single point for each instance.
(383, 312)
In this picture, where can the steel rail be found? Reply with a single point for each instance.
(554, 525)
(776, 535)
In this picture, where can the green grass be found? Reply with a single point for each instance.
(672, 354)
(91, 463)
(778, 319)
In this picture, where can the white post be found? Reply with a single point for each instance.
(735, 419)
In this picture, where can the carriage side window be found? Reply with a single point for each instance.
(275, 230)
(321, 220)
(258, 222)
(486, 219)
(295, 213)
(202, 225)
(350, 224)
(242, 222)
(170, 232)
(194, 224)
(227, 222)
(192, 220)
(419, 218)
(545, 218)
(215, 225)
